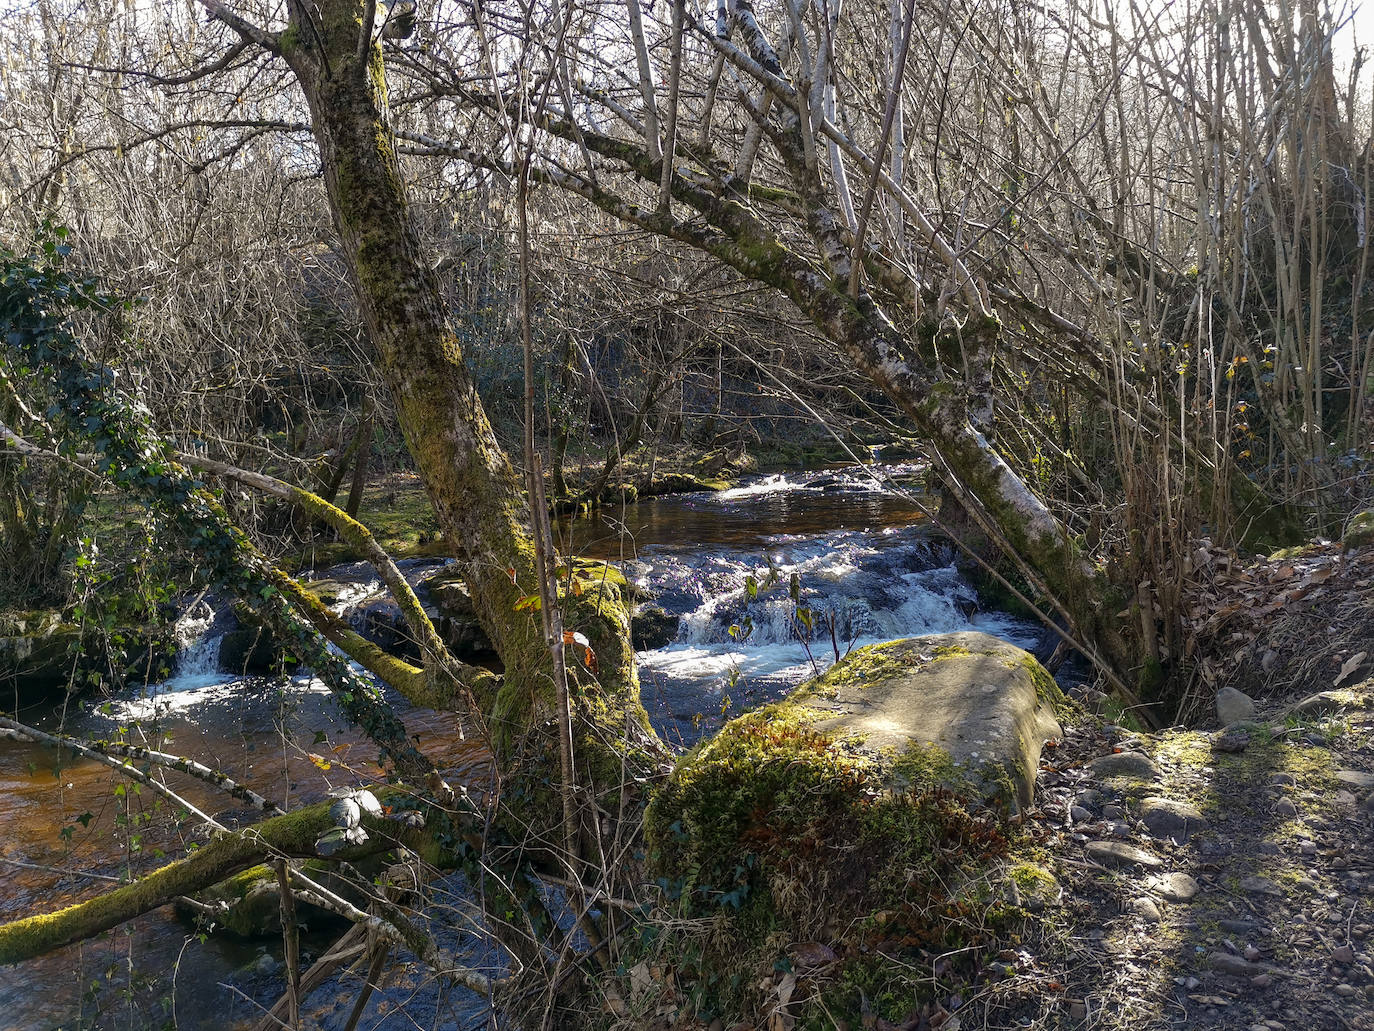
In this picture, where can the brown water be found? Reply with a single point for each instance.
(70, 824)
(63, 821)
(745, 518)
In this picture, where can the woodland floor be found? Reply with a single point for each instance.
(1220, 877)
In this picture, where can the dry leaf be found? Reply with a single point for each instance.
(1348, 667)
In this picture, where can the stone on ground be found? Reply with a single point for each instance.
(1234, 706)
(1118, 853)
(1166, 818)
(1323, 703)
(1127, 765)
(1175, 887)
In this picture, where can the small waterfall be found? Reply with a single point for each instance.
(197, 658)
(865, 586)
(741, 635)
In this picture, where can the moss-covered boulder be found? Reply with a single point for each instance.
(652, 627)
(1360, 532)
(39, 654)
(682, 483)
(867, 814)
(43, 657)
(866, 790)
(986, 705)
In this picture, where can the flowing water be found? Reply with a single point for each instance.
(770, 582)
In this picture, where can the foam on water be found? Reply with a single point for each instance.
(869, 586)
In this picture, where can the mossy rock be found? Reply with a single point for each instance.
(651, 627)
(864, 791)
(44, 657)
(989, 705)
(682, 483)
(38, 657)
(1360, 532)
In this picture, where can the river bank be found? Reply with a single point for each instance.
(866, 564)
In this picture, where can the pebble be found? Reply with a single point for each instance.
(1262, 980)
(1117, 829)
(1112, 812)
(1286, 807)
(1236, 966)
(1308, 848)
(1166, 818)
(1080, 815)
(1088, 797)
(1284, 780)
(1231, 742)
(1175, 887)
(1117, 853)
(1345, 991)
(1344, 954)
(1146, 909)
(1260, 886)
(1355, 778)
(1319, 704)
(1133, 765)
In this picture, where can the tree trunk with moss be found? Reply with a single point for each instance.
(475, 491)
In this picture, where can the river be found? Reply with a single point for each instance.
(854, 549)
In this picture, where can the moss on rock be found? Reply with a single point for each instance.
(854, 808)
(1360, 532)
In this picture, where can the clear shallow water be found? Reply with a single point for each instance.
(863, 559)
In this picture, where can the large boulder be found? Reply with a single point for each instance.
(875, 788)
(986, 705)
(39, 656)
(44, 657)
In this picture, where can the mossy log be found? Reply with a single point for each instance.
(291, 835)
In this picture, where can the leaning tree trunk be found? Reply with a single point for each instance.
(475, 492)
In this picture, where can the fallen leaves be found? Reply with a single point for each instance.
(1348, 667)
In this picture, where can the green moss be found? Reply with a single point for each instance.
(866, 665)
(815, 825)
(1360, 532)
(1298, 551)
(950, 651)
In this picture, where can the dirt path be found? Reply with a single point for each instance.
(1210, 888)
